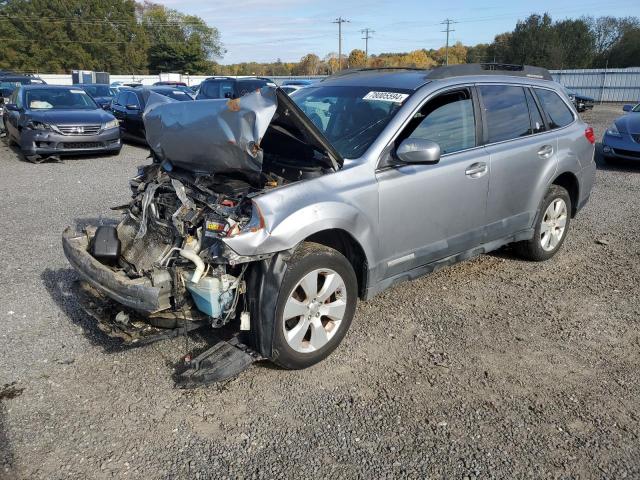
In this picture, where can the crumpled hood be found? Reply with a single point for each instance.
(224, 135)
(71, 117)
(629, 123)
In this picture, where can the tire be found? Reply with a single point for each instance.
(300, 341)
(547, 241)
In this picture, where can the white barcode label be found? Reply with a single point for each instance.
(393, 97)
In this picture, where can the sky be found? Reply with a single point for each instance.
(265, 30)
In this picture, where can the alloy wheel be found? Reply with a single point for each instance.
(314, 310)
(553, 224)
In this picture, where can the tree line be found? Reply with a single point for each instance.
(129, 37)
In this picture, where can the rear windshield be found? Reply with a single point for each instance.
(97, 90)
(216, 89)
(350, 117)
(58, 98)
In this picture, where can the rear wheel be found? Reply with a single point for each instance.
(316, 303)
(552, 225)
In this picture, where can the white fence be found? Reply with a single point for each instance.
(605, 85)
(65, 79)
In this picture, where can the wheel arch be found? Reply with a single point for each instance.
(569, 182)
(350, 248)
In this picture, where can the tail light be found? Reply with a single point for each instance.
(589, 135)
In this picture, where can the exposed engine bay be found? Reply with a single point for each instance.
(166, 258)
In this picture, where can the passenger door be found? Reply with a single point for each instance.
(117, 108)
(429, 212)
(522, 157)
(133, 109)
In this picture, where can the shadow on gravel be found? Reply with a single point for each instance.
(59, 284)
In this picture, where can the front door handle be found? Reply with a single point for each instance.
(476, 170)
(545, 151)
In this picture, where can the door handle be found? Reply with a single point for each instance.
(476, 170)
(545, 151)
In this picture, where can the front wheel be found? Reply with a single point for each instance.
(316, 303)
(552, 225)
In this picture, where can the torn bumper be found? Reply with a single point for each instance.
(36, 142)
(139, 294)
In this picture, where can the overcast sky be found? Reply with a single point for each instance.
(265, 30)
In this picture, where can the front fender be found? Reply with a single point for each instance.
(285, 233)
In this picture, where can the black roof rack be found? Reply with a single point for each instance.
(489, 69)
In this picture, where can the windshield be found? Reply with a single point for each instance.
(59, 98)
(98, 90)
(7, 88)
(636, 108)
(350, 117)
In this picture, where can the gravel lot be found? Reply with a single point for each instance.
(494, 368)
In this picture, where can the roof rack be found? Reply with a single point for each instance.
(489, 69)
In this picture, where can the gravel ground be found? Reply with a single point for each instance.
(493, 368)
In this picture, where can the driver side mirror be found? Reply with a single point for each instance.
(627, 108)
(418, 151)
(12, 107)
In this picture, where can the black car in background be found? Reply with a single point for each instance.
(100, 92)
(128, 105)
(227, 87)
(581, 102)
(53, 120)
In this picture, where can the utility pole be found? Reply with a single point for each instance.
(367, 35)
(448, 22)
(340, 21)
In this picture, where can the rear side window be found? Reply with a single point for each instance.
(447, 120)
(506, 112)
(216, 89)
(557, 111)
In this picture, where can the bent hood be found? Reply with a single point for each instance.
(225, 135)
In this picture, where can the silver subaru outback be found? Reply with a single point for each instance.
(272, 215)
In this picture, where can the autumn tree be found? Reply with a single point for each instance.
(308, 65)
(357, 59)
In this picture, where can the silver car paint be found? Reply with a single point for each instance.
(408, 216)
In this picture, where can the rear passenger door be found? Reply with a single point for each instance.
(522, 156)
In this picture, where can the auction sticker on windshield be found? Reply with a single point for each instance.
(393, 97)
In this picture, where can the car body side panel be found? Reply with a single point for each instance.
(346, 200)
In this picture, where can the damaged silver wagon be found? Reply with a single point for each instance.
(274, 214)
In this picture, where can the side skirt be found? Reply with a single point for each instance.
(422, 270)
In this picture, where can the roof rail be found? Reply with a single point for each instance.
(489, 69)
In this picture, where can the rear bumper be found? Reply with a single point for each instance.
(139, 294)
(36, 142)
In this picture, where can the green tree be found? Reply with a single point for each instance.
(178, 42)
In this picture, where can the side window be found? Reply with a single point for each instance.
(506, 112)
(557, 111)
(119, 100)
(447, 120)
(17, 97)
(537, 124)
(132, 99)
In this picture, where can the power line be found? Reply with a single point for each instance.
(340, 21)
(448, 22)
(367, 35)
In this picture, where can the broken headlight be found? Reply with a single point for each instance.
(36, 125)
(255, 223)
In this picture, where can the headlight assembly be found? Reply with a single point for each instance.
(36, 125)
(111, 124)
(613, 131)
